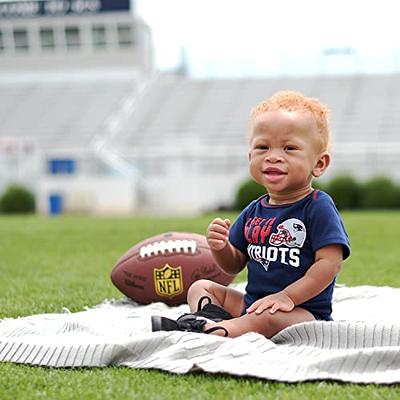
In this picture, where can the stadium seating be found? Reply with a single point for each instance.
(363, 107)
(173, 108)
(61, 113)
(190, 129)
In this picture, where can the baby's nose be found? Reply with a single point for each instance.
(274, 156)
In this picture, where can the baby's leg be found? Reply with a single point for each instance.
(265, 323)
(229, 299)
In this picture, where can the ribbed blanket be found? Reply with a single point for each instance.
(362, 344)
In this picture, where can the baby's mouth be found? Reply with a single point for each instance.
(273, 175)
(274, 171)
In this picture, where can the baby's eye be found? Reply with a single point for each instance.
(290, 148)
(261, 147)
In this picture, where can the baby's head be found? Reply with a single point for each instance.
(296, 101)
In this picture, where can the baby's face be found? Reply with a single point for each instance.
(284, 149)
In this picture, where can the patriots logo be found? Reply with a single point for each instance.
(298, 228)
(291, 233)
(264, 263)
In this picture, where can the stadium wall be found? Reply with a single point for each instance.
(87, 195)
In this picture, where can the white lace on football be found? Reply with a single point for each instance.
(170, 246)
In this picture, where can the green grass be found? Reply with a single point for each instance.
(50, 263)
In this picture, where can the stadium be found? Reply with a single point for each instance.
(83, 106)
(120, 150)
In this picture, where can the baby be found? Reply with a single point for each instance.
(292, 239)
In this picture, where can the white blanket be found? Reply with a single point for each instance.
(361, 345)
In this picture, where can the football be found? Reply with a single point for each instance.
(163, 267)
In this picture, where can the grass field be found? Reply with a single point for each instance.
(50, 263)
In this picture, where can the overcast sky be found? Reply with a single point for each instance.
(239, 37)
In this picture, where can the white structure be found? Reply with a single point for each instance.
(70, 72)
(72, 34)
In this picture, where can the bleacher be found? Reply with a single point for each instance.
(177, 112)
(173, 108)
(70, 112)
(64, 112)
(186, 134)
(364, 108)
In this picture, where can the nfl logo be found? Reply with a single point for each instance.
(168, 281)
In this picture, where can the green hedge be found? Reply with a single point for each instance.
(347, 192)
(17, 199)
(248, 191)
(380, 192)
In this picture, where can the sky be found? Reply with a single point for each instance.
(262, 37)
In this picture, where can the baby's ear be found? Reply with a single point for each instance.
(322, 164)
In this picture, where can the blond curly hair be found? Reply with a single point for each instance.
(296, 101)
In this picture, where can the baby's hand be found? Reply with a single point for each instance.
(218, 233)
(274, 302)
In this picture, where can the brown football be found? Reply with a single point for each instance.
(163, 267)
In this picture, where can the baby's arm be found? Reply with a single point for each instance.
(328, 261)
(228, 257)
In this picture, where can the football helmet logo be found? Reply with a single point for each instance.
(291, 233)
